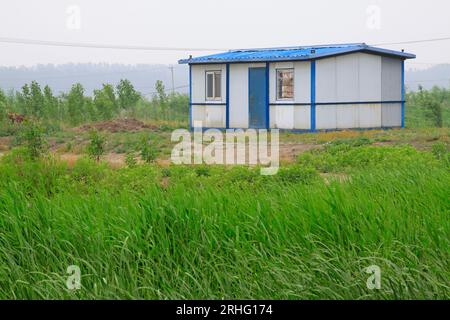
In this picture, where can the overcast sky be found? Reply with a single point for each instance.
(215, 24)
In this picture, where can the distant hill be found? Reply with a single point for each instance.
(61, 77)
(438, 75)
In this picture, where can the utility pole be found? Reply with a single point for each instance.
(173, 82)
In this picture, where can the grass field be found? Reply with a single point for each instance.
(174, 232)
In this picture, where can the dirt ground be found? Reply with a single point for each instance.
(119, 125)
(290, 145)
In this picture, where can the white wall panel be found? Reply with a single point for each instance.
(326, 117)
(215, 117)
(391, 115)
(369, 77)
(347, 78)
(391, 79)
(302, 117)
(198, 114)
(284, 117)
(347, 116)
(326, 80)
(369, 115)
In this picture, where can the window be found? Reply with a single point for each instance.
(213, 85)
(285, 84)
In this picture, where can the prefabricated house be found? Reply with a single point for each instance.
(327, 87)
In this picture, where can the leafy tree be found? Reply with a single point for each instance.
(126, 94)
(161, 97)
(37, 100)
(51, 104)
(75, 103)
(24, 100)
(96, 146)
(105, 101)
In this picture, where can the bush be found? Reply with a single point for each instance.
(31, 134)
(148, 151)
(96, 147)
(130, 160)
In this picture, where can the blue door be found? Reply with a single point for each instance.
(257, 98)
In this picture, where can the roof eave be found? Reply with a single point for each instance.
(362, 48)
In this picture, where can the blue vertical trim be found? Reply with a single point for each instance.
(313, 95)
(227, 105)
(267, 96)
(190, 97)
(403, 93)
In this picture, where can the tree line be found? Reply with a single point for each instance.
(75, 107)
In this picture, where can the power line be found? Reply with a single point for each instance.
(412, 41)
(100, 46)
(173, 89)
(155, 48)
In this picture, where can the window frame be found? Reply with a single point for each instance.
(214, 97)
(277, 85)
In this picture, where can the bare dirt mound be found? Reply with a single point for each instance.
(118, 125)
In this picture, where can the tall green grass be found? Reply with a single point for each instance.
(210, 232)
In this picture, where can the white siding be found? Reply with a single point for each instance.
(392, 79)
(349, 78)
(210, 116)
(370, 115)
(391, 115)
(347, 116)
(326, 117)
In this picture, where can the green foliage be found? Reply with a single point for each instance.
(105, 102)
(127, 96)
(96, 147)
(298, 174)
(75, 104)
(130, 159)
(31, 135)
(441, 151)
(148, 150)
(428, 108)
(344, 158)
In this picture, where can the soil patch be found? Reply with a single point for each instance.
(118, 125)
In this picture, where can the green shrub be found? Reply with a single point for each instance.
(130, 159)
(148, 150)
(31, 134)
(96, 147)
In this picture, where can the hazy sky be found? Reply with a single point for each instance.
(216, 24)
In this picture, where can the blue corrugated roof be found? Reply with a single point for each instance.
(292, 53)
